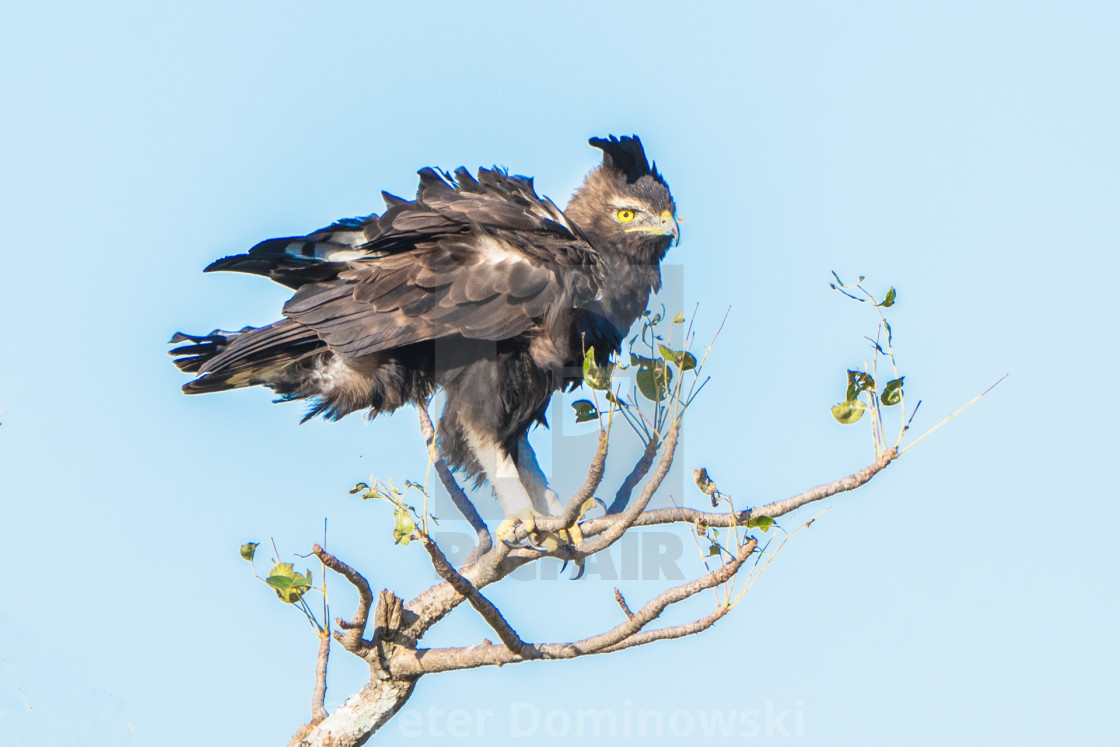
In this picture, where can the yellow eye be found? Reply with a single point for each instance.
(625, 216)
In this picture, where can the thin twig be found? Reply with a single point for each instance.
(967, 405)
(622, 603)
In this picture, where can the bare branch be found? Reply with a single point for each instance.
(484, 606)
(844, 484)
(318, 697)
(622, 603)
(652, 609)
(351, 635)
(415, 662)
(590, 485)
(458, 495)
(622, 496)
(740, 518)
(675, 631)
(622, 522)
(430, 606)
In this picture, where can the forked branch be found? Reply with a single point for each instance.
(417, 662)
(350, 635)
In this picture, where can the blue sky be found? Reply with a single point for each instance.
(965, 153)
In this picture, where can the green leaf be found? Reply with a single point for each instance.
(848, 412)
(596, 377)
(681, 359)
(289, 585)
(889, 300)
(892, 392)
(404, 527)
(858, 382)
(762, 522)
(653, 377)
(678, 319)
(359, 488)
(890, 335)
(713, 549)
(585, 411)
(249, 550)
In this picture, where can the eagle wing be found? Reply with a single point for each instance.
(483, 258)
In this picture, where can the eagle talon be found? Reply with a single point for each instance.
(572, 536)
(525, 519)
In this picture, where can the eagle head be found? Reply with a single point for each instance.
(624, 205)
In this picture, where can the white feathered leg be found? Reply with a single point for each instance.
(544, 498)
(502, 473)
(517, 505)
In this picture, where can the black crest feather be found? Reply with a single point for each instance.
(625, 154)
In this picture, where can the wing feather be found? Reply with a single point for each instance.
(481, 257)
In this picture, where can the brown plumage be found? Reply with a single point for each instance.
(478, 286)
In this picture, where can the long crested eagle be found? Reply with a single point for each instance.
(478, 286)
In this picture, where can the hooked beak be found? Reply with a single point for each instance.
(669, 227)
(666, 226)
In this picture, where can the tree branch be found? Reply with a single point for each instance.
(430, 606)
(318, 697)
(652, 609)
(590, 485)
(844, 484)
(350, 635)
(415, 662)
(458, 495)
(622, 496)
(740, 518)
(675, 631)
(361, 715)
(622, 603)
(626, 519)
(484, 606)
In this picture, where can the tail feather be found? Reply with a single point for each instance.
(202, 348)
(266, 356)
